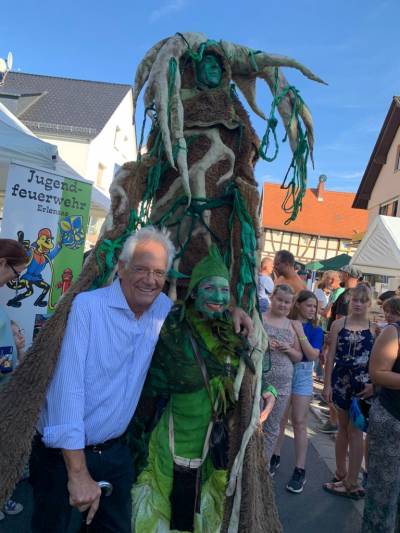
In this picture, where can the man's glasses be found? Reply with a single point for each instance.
(143, 272)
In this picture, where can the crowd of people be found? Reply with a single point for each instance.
(357, 360)
(322, 333)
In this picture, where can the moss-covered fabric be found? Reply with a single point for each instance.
(151, 493)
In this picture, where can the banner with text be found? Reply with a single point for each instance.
(49, 215)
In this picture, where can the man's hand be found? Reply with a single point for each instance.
(269, 402)
(242, 322)
(84, 494)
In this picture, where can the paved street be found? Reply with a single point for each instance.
(312, 511)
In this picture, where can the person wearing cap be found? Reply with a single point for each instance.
(195, 362)
(105, 354)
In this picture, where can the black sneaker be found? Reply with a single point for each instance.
(297, 481)
(274, 464)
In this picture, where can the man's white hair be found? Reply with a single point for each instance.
(146, 234)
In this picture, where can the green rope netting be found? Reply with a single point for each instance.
(194, 215)
(295, 181)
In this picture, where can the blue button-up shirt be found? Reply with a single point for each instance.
(103, 362)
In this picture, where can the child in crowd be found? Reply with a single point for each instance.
(391, 308)
(283, 351)
(311, 339)
(346, 377)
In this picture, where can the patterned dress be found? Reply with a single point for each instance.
(350, 373)
(280, 376)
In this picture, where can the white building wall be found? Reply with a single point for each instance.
(387, 186)
(115, 145)
(73, 151)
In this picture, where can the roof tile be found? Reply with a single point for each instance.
(78, 107)
(333, 217)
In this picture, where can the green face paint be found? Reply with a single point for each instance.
(209, 72)
(212, 297)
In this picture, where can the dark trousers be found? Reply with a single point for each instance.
(48, 476)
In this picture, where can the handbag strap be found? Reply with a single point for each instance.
(203, 369)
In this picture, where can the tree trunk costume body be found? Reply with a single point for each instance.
(196, 179)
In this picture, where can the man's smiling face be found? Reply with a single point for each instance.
(212, 296)
(143, 278)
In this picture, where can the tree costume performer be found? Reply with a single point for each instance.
(195, 364)
(196, 178)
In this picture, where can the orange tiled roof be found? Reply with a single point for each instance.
(333, 217)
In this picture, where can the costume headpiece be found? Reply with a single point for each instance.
(211, 265)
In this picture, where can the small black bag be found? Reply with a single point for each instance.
(219, 443)
(219, 437)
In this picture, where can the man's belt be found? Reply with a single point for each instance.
(96, 448)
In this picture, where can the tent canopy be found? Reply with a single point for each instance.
(17, 142)
(334, 263)
(379, 251)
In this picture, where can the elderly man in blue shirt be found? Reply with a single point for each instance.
(105, 354)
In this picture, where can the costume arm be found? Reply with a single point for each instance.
(63, 416)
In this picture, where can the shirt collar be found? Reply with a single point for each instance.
(116, 297)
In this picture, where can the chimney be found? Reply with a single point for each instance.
(321, 187)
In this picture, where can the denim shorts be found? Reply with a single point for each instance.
(302, 382)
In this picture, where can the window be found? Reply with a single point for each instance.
(390, 209)
(397, 163)
(117, 138)
(100, 176)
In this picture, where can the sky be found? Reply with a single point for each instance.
(351, 44)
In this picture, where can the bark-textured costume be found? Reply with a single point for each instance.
(196, 178)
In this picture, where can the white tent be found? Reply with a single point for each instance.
(19, 144)
(379, 251)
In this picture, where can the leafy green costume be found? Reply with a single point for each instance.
(175, 374)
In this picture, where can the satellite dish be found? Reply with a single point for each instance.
(9, 60)
(3, 66)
